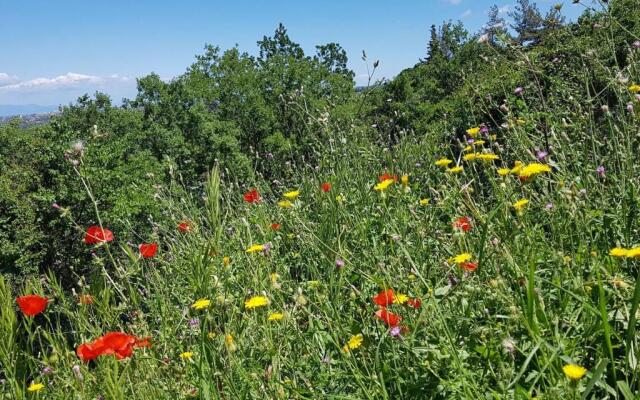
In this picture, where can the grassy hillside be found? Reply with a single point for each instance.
(467, 230)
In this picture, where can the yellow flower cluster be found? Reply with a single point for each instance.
(354, 342)
(255, 302)
(384, 185)
(625, 253)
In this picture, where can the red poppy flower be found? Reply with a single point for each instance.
(387, 317)
(95, 235)
(32, 304)
(252, 196)
(275, 227)
(326, 186)
(469, 266)
(463, 223)
(148, 250)
(414, 302)
(384, 298)
(184, 226)
(118, 344)
(387, 176)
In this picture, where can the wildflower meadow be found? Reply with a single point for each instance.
(373, 244)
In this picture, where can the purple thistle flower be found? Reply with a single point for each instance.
(630, 107)
(194, 323)
(265, 248)
(395, 331)
(542, 154)
(484, 129)
(600, 170)
(636, 44)
(340, 263)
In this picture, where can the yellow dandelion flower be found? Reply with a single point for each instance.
(618, 252)
(633, 253)
(503, 171)
(256, 301)
(274, 277)
(255, 248)
(354, 342)
(226, 261)
(404, 180)
(487, 157)
(467, 148)
(520, 204)
(400, 298)
(455, 170)
(201, 304)
(384, 185)
(533, 169)
(461, 258)
(211, 335)
(292, 195)
(339, 198)
(35, 387)
(574, 372)
(276, 316)
(424, 202)
(285, 204)
(443, 162)
(470, 157)
(634, 88)
(473, 131)
(478, 143)
(187, 355)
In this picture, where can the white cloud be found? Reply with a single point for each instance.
(466, 14)
(455, 2)
(63, 88)
(6, 79)
(68, 80)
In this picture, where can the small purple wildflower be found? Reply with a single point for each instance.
(630, 107)
(194, 323)
(340, 263)
(518, 91)
(484, 129)
(470, 141)
(265, 248)
(549, 206)
(636, 44)
(47, 371)
(542, 154)
(395, 331)
(600, 171)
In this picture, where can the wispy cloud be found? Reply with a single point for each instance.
(68, 80)
(62, 88)
(455, 2)
(466, 14)
(6, 79)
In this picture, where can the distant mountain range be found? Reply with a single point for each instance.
(7, 110)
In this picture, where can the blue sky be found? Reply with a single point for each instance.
(54, 51)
